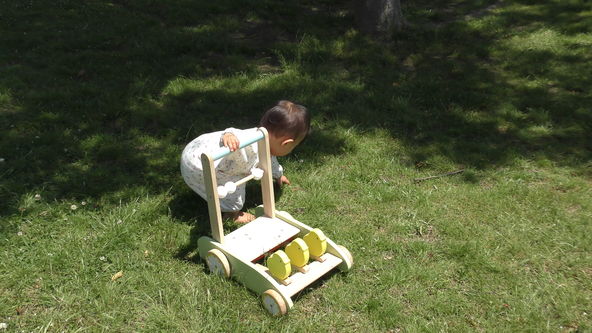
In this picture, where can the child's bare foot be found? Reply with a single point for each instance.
(239, 217)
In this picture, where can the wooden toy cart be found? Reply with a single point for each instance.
(239, 254)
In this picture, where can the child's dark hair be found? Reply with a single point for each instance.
(287, 119)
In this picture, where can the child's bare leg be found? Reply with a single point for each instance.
(239, 217)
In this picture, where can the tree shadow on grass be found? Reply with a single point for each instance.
(189, 208)
(83, 91)
(99, 98)
(458, 93)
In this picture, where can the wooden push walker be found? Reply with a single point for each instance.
(308, 254)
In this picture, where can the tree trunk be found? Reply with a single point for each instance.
(379, 17)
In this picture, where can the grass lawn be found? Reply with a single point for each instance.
(98, 99)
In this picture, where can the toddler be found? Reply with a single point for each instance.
(287, 124)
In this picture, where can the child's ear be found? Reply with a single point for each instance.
(286, 141)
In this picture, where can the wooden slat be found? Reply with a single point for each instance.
(211, 185)
(316, 269)
(267, 180)
(256, 238)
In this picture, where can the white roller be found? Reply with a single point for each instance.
(257, 173)
(222, 192)
(230, 187)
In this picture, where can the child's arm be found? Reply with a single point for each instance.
(232, 137)
(231, 141)
(277, 172)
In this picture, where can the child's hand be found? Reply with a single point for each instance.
(283, 180)
(231, 141)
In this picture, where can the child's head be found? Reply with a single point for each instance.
(288, 124)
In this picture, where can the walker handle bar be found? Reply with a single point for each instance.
(222, 152)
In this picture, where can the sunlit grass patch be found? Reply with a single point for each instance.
(540, 40)
(453, 162)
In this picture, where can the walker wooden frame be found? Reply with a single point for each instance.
(237, 254)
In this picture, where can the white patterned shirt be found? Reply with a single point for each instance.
(232, 167)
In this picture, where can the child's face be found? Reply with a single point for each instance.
(282, 146)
